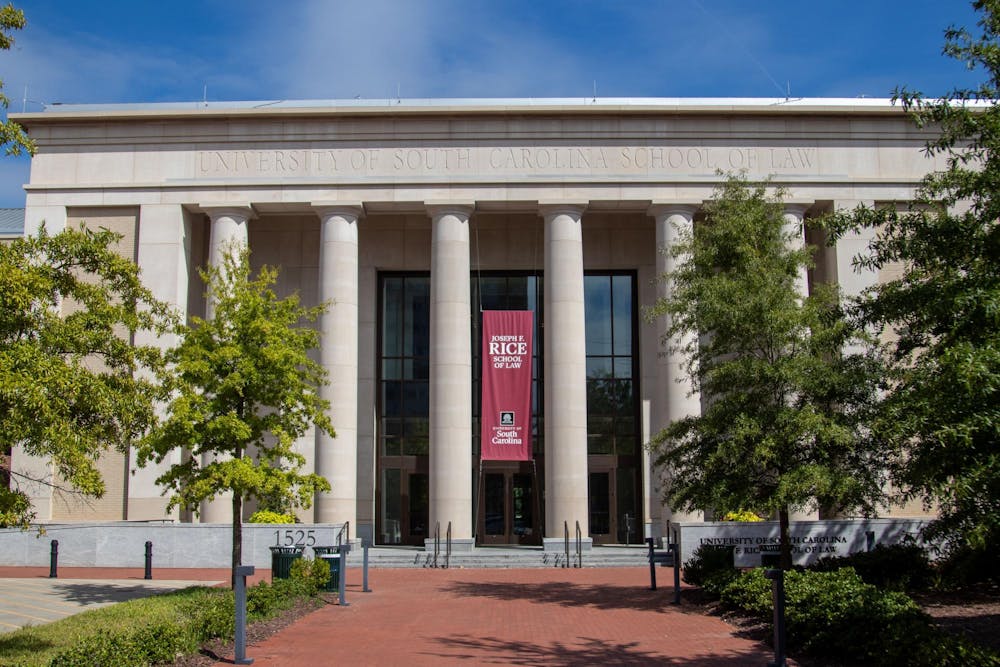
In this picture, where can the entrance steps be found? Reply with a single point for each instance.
(501, 557)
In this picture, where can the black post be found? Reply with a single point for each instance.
(343, 549)
(53, 559)
(677, 572)
(777, 578)
(241, 573)
(869, 540)
(365, 544)
(652, 564)
(149, 561)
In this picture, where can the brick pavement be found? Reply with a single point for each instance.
(593, 616)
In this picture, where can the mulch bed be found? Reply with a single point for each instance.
(218, 650)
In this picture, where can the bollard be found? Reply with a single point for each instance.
(677, 573)
(149, 561)
(53, 559)
(777, 578)
(365, 544)
(343, 549)
(652, 566)
(240, 575)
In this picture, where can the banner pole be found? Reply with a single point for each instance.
(538, 500)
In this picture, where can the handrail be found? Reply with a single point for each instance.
(579, 546)
(566, 542)
(346, 528)
(437, 542)
(447, 553)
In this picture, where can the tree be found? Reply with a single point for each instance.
(783, 424)
(944, 408)
(243, 390)
(72, 382)
(12, 136)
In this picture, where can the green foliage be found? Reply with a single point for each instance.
(12, 136)
(785, 426)
(944, 407)
(311, 573)
(837, 615)
(267, 516)
(153, 630)
(711, 567)
(73, 383)
(243, 390)
(896, 567)
(745, 516)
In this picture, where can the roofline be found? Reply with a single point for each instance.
(469, 106)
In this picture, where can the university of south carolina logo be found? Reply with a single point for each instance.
(506, 418)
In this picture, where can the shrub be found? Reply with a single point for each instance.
(710, 567)
(836, 614)
(267, 516)
(897, 567)
(745, 516)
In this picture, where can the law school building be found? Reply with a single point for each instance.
(415, 220)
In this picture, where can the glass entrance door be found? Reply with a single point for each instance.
(509, 509)
(613, 503)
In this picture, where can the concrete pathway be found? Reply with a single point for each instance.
(590, 616)
(29, 597)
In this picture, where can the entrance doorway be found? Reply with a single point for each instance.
(508, 508)
(613, 503)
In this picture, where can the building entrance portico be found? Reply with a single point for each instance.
(410, 220)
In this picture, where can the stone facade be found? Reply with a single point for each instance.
(340, 194)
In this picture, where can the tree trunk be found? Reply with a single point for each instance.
(237, 536)
(786, 545)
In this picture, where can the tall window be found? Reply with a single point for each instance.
(611, 404)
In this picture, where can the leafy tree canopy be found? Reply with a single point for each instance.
(784, 406)
(944, 407)
(243, 390)
(12, 136)
(72, 381)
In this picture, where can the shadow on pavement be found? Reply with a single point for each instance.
(600, 596)
(490, 650)
(93, 593)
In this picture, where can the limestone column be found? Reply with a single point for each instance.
(674, 397)
(337, 457)
(228, 231)
(450, 374)
(565, 375)
(794, 217)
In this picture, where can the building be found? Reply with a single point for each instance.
(412, 217)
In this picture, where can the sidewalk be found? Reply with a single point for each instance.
(591, 616)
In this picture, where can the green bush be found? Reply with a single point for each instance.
(897, 567)
(837, 615)
(710, 567)
(267, 516)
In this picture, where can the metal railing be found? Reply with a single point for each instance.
(437, 543)
(566, 542)
(447, 553)
(579, 545)
(344, 534)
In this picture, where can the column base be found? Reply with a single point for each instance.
(558, 544)
(463, 545)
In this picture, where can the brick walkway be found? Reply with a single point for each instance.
(596, 616)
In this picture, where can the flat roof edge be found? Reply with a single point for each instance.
(279, 108)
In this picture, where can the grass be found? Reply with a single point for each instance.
(37, 645)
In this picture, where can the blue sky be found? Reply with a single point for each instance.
(77, 51)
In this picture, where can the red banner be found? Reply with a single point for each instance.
(506, 409)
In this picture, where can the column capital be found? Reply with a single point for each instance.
(550, 208)
(327, 209)
(665, 209)
(797, 208)
(462, 209)
(243, 211)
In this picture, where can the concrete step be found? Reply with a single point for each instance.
(492, 557)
